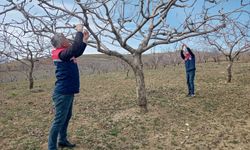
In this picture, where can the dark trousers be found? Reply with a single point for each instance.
(63, 112)
(190, 81)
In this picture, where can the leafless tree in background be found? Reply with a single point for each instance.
(202, 56)
(215, 55)
(231, 41)
(25, 48)
(118, 25)
(154, 59)
(125, 67)
(3, 58)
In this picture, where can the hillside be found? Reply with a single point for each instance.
(106, 115)
(100, 63)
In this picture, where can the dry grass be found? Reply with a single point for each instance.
(106, 115)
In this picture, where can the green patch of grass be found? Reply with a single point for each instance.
(12, 95)
(114, 132)
(234, 142)
(29, 144)
(210, 106)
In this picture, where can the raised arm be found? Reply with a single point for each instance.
(182, 55)
(190, 52)
(78, 46)
(75, 50)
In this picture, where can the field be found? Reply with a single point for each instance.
(106, 115)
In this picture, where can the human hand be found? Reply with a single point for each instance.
(79, 27)
(184, 46)
(85, 36)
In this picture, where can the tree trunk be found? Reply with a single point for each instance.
(127, 72)
(31, 79)
(140, 83)
(229, 71)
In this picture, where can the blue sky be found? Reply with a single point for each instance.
(175, 18)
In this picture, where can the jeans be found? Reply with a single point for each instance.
(190, 81)
(63, 113)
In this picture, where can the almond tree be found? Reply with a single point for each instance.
(25, 48)
(231, 41)
(131, 26)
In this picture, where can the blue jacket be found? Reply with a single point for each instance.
(189, 63)
(67, 73)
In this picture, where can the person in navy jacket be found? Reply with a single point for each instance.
(188, 56)
(67, 83)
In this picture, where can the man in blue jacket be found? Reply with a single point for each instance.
(67, 83)
(188, 56)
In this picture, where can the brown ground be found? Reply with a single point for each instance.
(106, 115)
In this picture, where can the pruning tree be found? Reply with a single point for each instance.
(127, 26)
